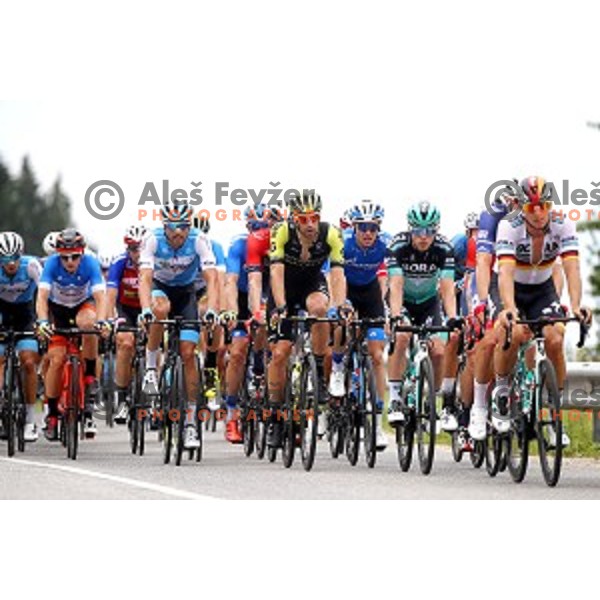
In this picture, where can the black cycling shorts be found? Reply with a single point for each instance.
(367, 300)
(17, 316)
(182, 299)
(419, 313)
(129, 313)
(63, 317)
(297, 290)
(536, 300)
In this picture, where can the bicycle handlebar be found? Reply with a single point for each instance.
(537, 326)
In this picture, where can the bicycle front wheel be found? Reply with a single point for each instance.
(309, 412)
(369, 407)
(426, 417)
(517, 443)
(166, 396)
(548, 423)
(9, 407)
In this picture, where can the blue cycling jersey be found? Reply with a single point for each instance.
(459, 243)
(236, 261)
(361, 265)
(20, 287)
(177, 267)
(71, 289)
(488, 226)
(220, 264)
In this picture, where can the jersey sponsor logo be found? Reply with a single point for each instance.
(419, 268)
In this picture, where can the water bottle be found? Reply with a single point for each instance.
(528, 391)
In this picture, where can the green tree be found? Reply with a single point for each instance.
(25, 209)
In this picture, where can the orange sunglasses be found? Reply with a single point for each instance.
(529, 207)
(307, 219)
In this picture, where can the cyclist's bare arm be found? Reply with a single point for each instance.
(557, 276)
(277, 283)
(338, 285)
(506, 284)
(41, 305)
(111, 301)
(448, 296)
(254, 291)
(146, 287)
(212, 287)
(573, 276)
(483, 274)
(396, 294)
(100, 300)
(231, 293)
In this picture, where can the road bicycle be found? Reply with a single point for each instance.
(13, 412)
(74, 402)
(534, 403)
(418, 402)
(174, 396)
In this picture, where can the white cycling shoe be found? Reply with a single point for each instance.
(395, 414)
(381, 439)
(566, 440)
(30, 432)
(150, 383)
(500, 423)
(478, 424)
(190, 438)
(448, 421)
(337, 387)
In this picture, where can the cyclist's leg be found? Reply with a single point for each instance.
(86, 319)
(161, 307)
(236, 370)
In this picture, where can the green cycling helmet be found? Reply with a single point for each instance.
(423, 214)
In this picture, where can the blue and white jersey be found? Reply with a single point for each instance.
(488, 227)
(71, 289)
(361, 265)
(20, 288)
(236, 261)
(200, 282)
(177, 267)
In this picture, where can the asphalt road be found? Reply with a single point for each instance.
(106, 469)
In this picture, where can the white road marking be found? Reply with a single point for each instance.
(144, 485)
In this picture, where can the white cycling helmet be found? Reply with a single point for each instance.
(105, 260)
(471, 221)
(49, 243)
(367, 212)
(135, 235)
(11, 243)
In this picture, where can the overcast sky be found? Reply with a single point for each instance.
(393, 102)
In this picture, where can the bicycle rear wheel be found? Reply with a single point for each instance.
(20, 418)
(309, 412)
(108, 391)
(289, 427)
(517, 442)
(405, 440)
(179, 399)
(369, 410)
(493, 452)
(426, 417)
(548, 423)
(457, 451)
(166, 395)
(9, 407)
(478, 454)
(247, 425)
(72, 415)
